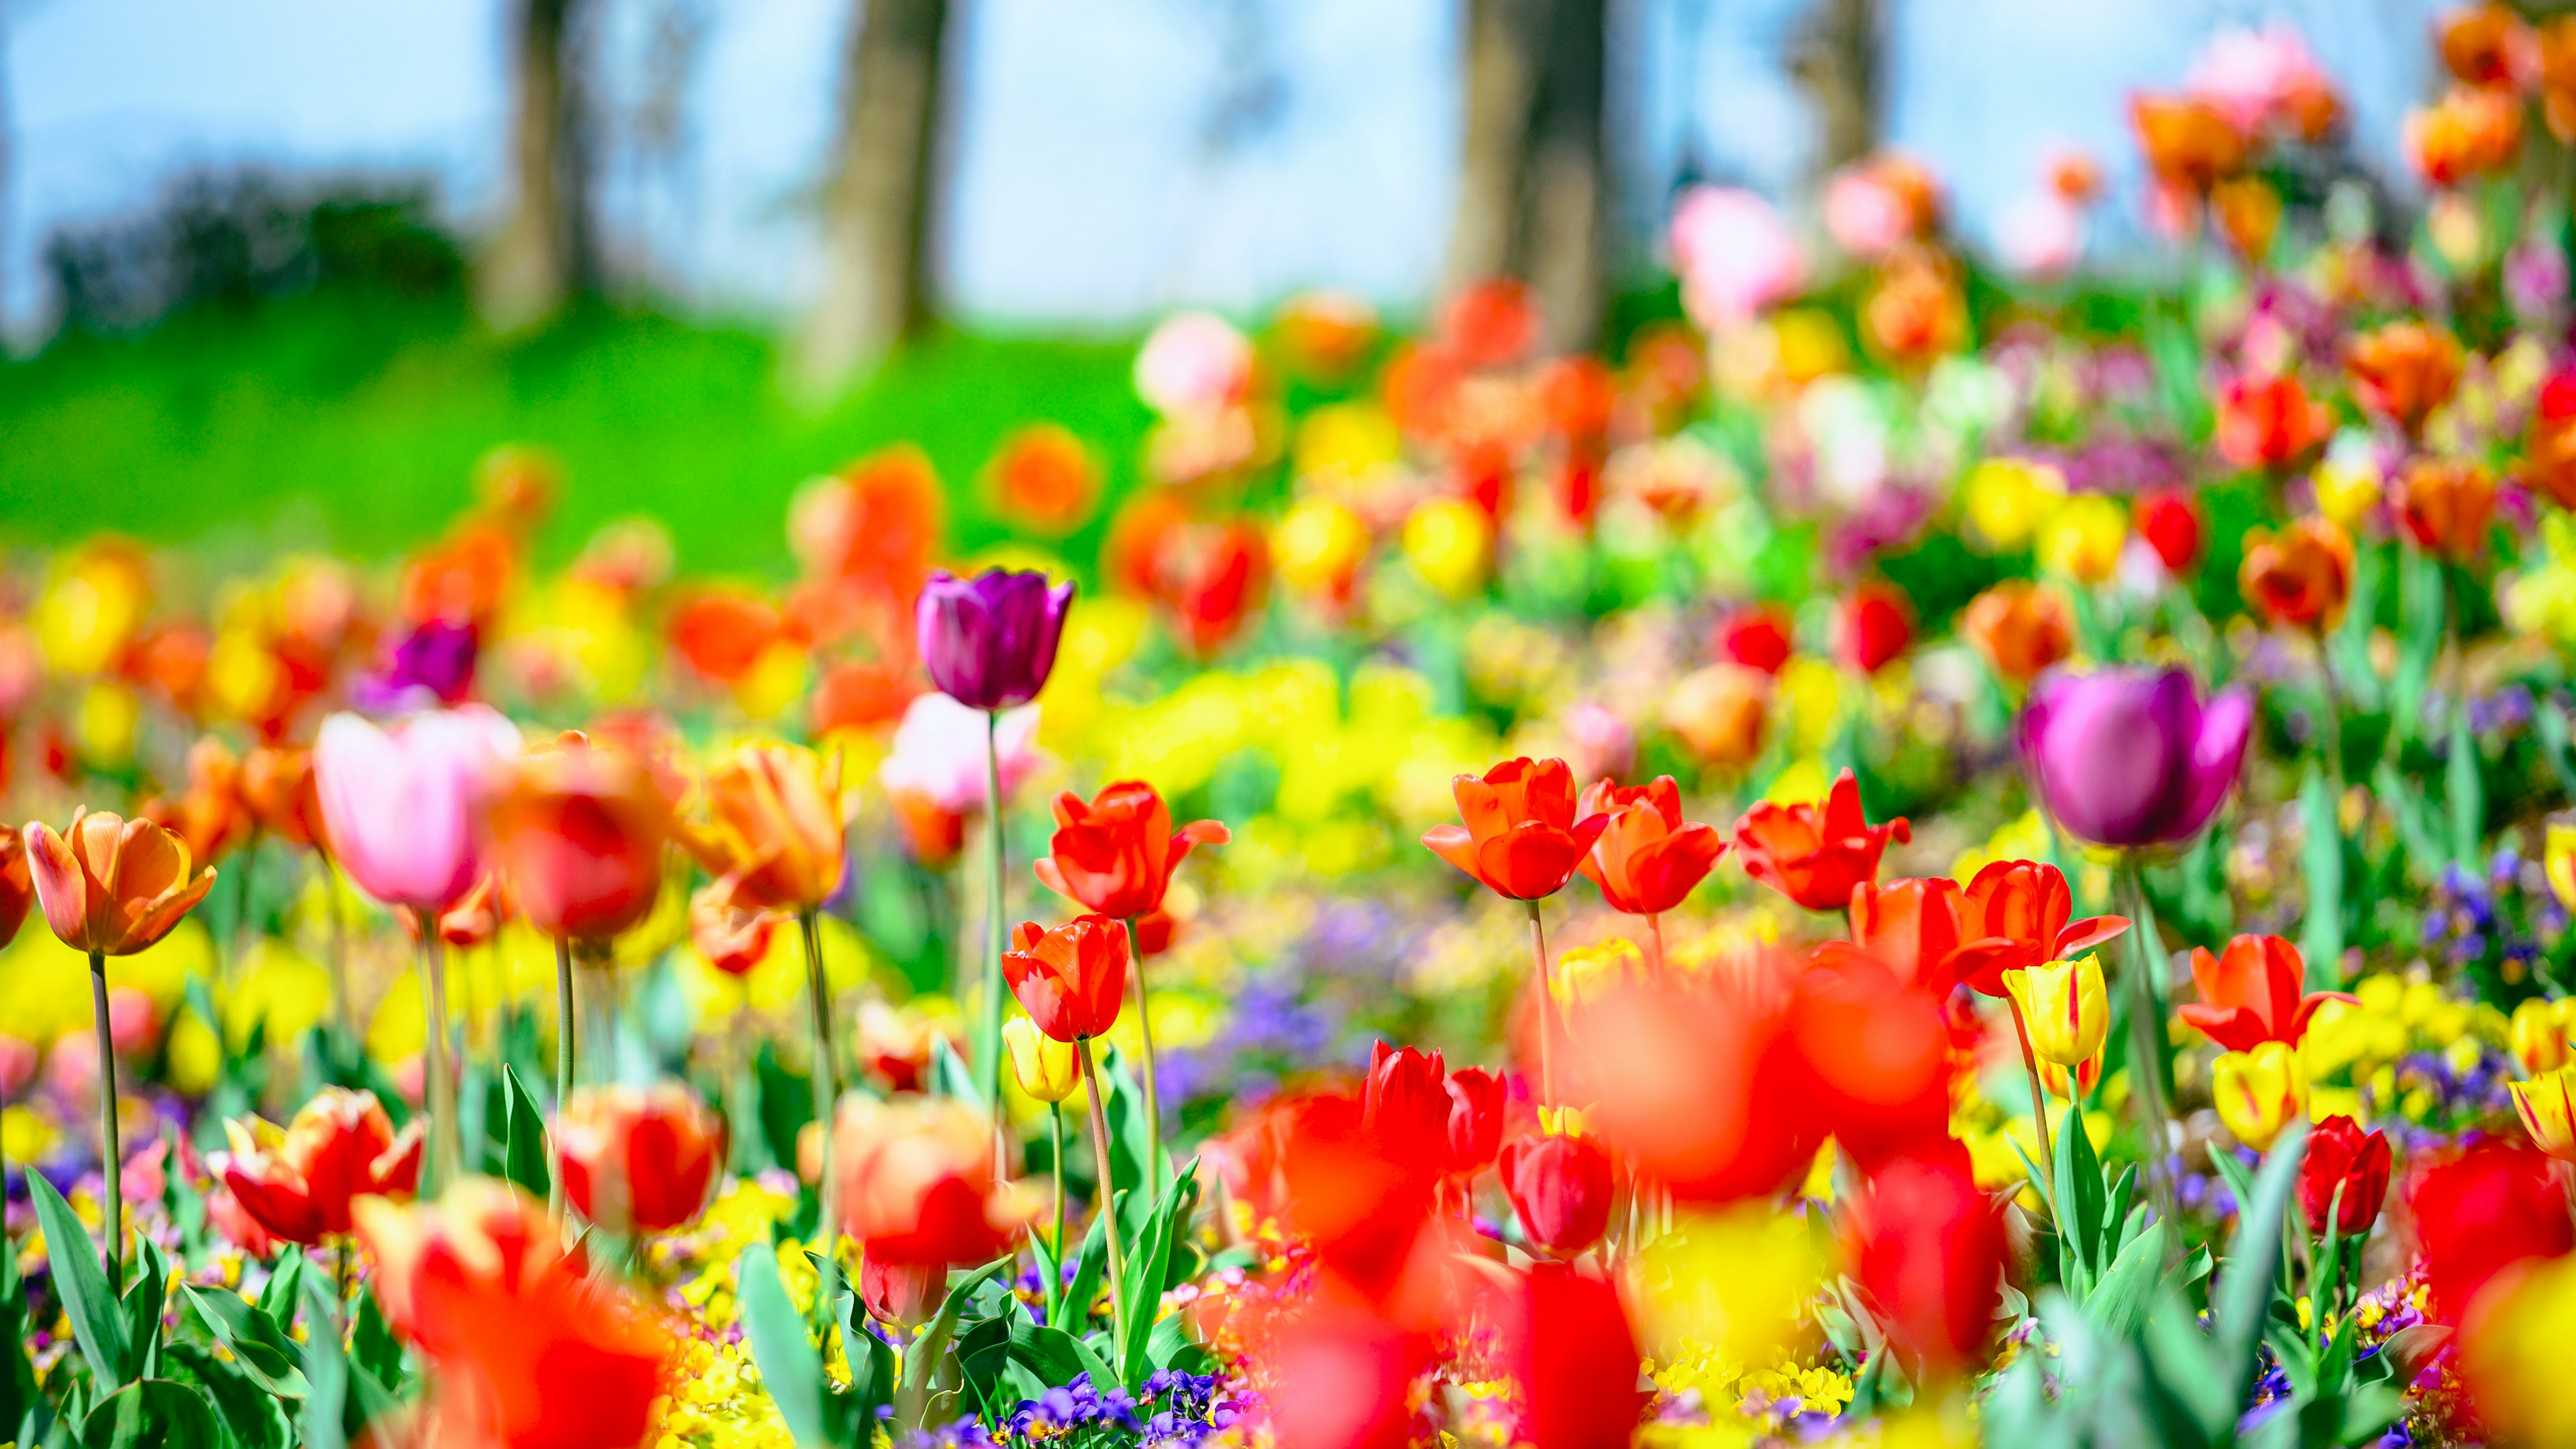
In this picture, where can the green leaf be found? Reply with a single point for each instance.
(81, 1283)
(950, 1076)
(2118, 1302)
(2321, 860)
(1148, 1270)
(283, 1293)
(373, 1348)
(17, 1373)
(145, 1298)
(789, 1367)
(247, 1411)
(2080, 1200)
(1087, 1273)
(2244, 1289)
(922, 1358)
(1056, 1357)
(257, 1342)
(152, 1414)
(525, 1160)
(2465, 793)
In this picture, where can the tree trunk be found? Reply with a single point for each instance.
(1839, 59)
(1531, 193)
(543, 254)
(877, 209)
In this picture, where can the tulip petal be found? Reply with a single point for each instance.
(2086, 934)
(1453, 844)
(61, 887)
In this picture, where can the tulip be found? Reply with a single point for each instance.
(773, 838)
(1522, 838)
(1756, 636)
(2008, 499)
(2403, 371)
(637, 1160)
(17, 886)
(2549, 448)
(2131, 757)
(1476, 1103)
(2084, 539)
(989, 642)
(2171, 526)
(1872, 1054)
(401, 807)
(731, 941)
(1876, 626)
(211, 817)
(2249, 994)
(1720, 711)
(2481, 1213)
(298, 1184)
(1913, 927)
(2343, 1157)
(2014, 915)
(901, 1295)
(917, 1182)
(2447, 505)
(2537, 1035)
(1069, 980)
(1646, 859)
(2302, 577)
(527, 1352)
(110, 887)
(2558, 861)
(2072, 1083)
(2066, 1007)
(1561, 1188)
(2468, 132)
(1407, 1103)
(2547, 1106)
(1575, 1359)
(2269, 422)
(1044, 1067)
(1815, 855)
(2020, 628)
(2259, 1092)
(1927, 1246)
(476, 918)
(580, 835)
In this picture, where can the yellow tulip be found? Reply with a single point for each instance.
(2513, 1359)
(1047, 1069)
(2259, 1092)
(2547, 1105)
(1318, 547)
(2054, 1078)
(2009, 498)
(1450, 543)
(2347, 483)
(2083, 540)
(2538, 1034)
(2558, 860)
(1589, 972)
(2065, 1007)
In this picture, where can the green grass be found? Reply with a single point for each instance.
(352, 419)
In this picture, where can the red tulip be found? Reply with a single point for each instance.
(1813, 854)
(298, 1183)
(1646, 860)
(2341, 1155)
(1350, 1370)
(1476, 1101)
(1912, 927)
(2486, 1210)
(1069, 980)
(2269, 422)
(1522, 838)
(1926, 1244)
(1116, 855)
(1408, 1103)
(901, 1295)
(2170, 524)
(1575, 1359)
(2015, 915)
(1365, 1210)
(917, 1182)
(1877, 626)
(1561, 1187)
(580, 835)
(638, 1159)
(2249, 994)
(1756, 636)
(1875, 1055)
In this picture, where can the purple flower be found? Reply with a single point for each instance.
(989, 642)
(2130, 756)
(433, 664)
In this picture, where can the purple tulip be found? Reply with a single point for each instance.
(989, 642)
(2130, 756)
(431, 665)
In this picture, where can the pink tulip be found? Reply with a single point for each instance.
(938, 752)
(402, 806)
(1194, 362)
(1734, 254)
(2041, 235)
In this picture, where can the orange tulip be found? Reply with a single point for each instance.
(2469, 132)
(580, 836)
(2549, 449)
(2302, 577)
(476, 919)
(2403, 371)
(2447, 504)
(1720, 711)
(277, 785)
(1646, 860)
(526, 1351)
(1815, 854)
(732, 941)
(2269, 422)
(1070, 980)
(1913, 927)
(2487, 45)
(211, 817)
(298, 1183)
(2020, 627)
(917, 1182)
(774, 840)
(110, 886)
(2250, 994)
(2189, 145)
(638, 1159)
(17, 890)
(1522, 838)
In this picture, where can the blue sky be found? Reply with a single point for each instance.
(1087, 191)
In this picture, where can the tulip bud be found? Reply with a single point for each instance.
(989, 642)
(2065, 1007)
(1069, 980)
(1476, 1101)
(1407, 1106)
(900, 1295)
(1047, 1069)
(2547, 1106)
(2074, 1087)
(1876, 627)
(635, 1159)
(2538, 1036)
(2342, 1156)
(1561, 1188)
(2259, 1092)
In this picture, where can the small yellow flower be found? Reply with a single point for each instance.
(2547, 1105)
(2083, 540)
(2259, 1092)
(1319, 545)
(2065, 1007)
(1450, 543)
(2009, 498)
(1047, 1069)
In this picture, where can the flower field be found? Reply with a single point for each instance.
(1937, 850)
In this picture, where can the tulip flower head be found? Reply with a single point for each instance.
(2072, 1084)
(2448, 505)
(918, 1184)
(2014, 916)
(2479, 1214)
(2547, 1106)
(1815, 854)
(2537, 1036)
(2259, 1092)
(2301, 577)
(2131, 757)
(1646, 859)
(2269, 422)
(2065, 1007)
(1407, 1103)
(1876, 626)
(1046, 1069)
(403, 807)
(1574, 1358)
(1117, 853)
(1872, 1055)
(732, 941)
(1561, 1187)
(2170, 523)
(2020, 628)
(1912, 927)
(1069, 980)
(580, 834)
(1476, 1102)
(1522, 838)
(2342, 1157)
(1927, 1245)
(773, 839)
(111, 886)
(17, 887)
(638, 1159)
(989, 642)
(298, 1183)
(2249, 994)
(2403, 371)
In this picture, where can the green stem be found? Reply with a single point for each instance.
(111, 1162)
(344, 1012)
(1107, 1204)
(1055, 1286)
(1153, 1097)
(827, 1094)
(442, 1084)
(563, 1060)
(2038, 1103)
(2147, 1038)
(988, 1032)
(1546, 1010)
